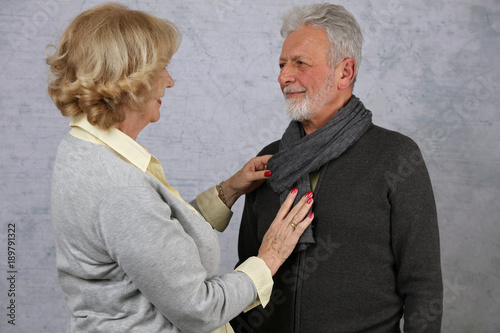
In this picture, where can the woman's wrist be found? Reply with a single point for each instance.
(227, 194)
(272, 262)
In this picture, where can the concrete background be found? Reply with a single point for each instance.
(430, 70)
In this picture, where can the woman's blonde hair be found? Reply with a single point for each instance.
(108, 58)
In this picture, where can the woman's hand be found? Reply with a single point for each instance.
(251, 176)
(285, 231)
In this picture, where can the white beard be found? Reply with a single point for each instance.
(305, 108)
(299, 110)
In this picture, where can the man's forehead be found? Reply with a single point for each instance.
(308, 32)
(305, 43)
(294, 56)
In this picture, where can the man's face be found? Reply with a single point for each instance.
(306, 79)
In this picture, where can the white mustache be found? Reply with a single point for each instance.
(293, 90)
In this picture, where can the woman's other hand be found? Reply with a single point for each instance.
(285, 231)
(250, 177)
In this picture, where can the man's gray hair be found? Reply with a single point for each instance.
(341, 28)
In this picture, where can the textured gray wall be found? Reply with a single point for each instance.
(430, 70)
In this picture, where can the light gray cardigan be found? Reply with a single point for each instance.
(130, 256)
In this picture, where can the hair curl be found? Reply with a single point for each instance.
(342, 29)
(107, 59)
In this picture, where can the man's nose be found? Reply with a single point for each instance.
(287, 75)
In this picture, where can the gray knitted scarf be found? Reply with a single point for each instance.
(301, 154)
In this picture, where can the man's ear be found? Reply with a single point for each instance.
(347, 71)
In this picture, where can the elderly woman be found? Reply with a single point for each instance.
(132, 256)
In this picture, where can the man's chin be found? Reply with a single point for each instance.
(298, 116)
(298, 110)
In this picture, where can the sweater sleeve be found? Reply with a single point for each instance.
(142, 234)
(213, 209)
(261, 276)
(415, 243)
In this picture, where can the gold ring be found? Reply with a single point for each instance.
(293, 225)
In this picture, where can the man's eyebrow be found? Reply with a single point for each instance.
(295, 57)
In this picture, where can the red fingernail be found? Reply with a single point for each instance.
(294, 190)
(309, 194)
(311, 215)
(309, 200)
(267, 173)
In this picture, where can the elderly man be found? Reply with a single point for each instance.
(371, 256)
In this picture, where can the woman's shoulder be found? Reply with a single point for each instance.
(96, 165)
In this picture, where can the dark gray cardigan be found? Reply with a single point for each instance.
(377, 250)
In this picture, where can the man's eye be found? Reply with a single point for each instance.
(282, 65)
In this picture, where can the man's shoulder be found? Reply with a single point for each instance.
(270, 149)
(389, 137)
(376, 135)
